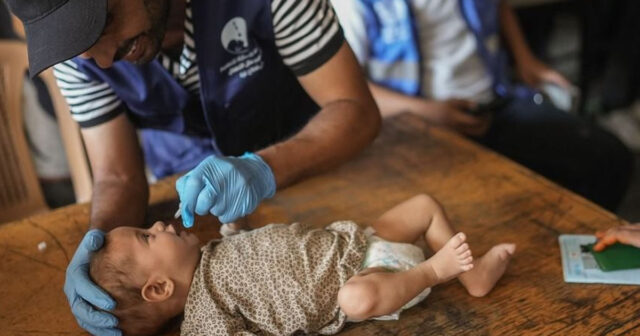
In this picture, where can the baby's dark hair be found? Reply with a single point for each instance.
(114, 273)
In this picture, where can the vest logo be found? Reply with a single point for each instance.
(247, 54)
(235, 37)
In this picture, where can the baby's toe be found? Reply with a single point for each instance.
(510, 248)
(466, 261)
(457, 240)
(462, 248)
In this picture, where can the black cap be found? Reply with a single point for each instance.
(58, 30)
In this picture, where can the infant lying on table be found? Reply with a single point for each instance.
(282, 279)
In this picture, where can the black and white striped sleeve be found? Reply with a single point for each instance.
(307, 33)
(91, 102)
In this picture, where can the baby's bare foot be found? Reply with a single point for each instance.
(452, 259)
(488, 270)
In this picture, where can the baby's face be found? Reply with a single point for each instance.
(158, 248)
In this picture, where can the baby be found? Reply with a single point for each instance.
(283, 279)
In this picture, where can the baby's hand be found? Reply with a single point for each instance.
(626, 234)
(240, 225)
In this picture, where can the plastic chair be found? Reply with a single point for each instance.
(69, 130)
(72, 140)
(20, 192)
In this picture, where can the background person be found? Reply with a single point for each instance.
(441, 59)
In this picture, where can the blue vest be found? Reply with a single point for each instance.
(395, 60)
(248, 99)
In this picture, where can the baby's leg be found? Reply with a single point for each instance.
(376, 292)
(412, 219)
(423, 217)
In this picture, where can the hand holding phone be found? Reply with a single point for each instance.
(563, 98)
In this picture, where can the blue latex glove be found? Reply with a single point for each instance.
(82, 293)
(226, 187)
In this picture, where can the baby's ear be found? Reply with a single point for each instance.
(157, 289)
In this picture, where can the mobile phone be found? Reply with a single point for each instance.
(563, 98)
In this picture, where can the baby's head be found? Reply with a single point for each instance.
(148, 272)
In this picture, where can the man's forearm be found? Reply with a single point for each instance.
(348, 121)
(391, 102)
(120, 189)
(339, 131)
(513, 34)
(119, 202)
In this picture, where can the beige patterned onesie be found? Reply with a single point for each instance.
(276, 280)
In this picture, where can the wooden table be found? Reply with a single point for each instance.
(486, 196)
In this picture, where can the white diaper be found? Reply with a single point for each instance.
(395, 257)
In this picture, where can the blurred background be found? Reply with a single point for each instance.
(594, 43)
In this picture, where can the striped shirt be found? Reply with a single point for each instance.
(307, 34)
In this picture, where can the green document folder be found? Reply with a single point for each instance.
(617, 257)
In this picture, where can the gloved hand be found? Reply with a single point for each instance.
(226, 187)
(82, 292)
